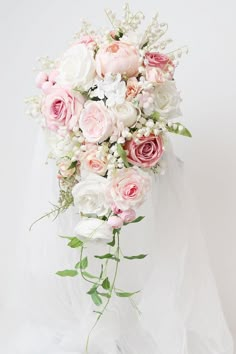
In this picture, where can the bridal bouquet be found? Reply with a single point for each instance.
(106, 106)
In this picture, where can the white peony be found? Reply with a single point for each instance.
(167, 100)
(89, 195)
(125, 114)
(90, 229)
(77, 67)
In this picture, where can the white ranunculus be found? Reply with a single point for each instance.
(77, 67)
(89, 195)
(167, 100)
(125, 114)
(91, 229)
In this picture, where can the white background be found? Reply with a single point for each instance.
(206, 77)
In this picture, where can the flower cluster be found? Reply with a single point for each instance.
(107, 106)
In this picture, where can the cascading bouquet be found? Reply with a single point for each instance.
(106, 107)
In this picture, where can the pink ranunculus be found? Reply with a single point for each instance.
(146, 153)
(117, 57)
(128, 215)
(128, 188)
(62, 108)
(115, 222)
(96, 122)
(133, 88)
(91, 163)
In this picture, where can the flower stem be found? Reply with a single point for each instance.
(111, 291)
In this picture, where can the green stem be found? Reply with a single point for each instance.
(111, 291)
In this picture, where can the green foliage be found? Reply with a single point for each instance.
(138, 219)
(108, 256)
(140, 256)
(125, 294)
(67, 273)
(106, 284)
(178, 128)
(122, 154)
(83, 264)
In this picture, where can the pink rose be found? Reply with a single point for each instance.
(115, 222)
(159, 67)
(90, 161)
(133, 88)
(147, 153)
(117, 57)
(87, 40)
(62, 108)
(96, 122)
(128, 188)
(128, 215)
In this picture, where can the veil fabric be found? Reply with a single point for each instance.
(179, 305)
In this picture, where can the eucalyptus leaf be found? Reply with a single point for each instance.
(106, 284)
(122, 154)
(178, 128)
(96, 299)
(140, 256)
(67, 273)
(83, 264)
(125, 294)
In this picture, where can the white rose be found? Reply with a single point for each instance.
(125, 114)
(89, 195)
(77, 67)
(93, 229)
(167, 100)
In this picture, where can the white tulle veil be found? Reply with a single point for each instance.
(179, 305)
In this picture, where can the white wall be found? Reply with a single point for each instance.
(30, 28)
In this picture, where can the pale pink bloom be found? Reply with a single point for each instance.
(87, 40)
(62, 108)
(115, 209)
(90, 161)
(154, 75)
(52, 76)
(128, 188)
(117, 57)
(41, 78)
(64, 168)
(47, 86)
(115, 222)
(128, 215)
(147, 153)
(96, 122)
(133, 88)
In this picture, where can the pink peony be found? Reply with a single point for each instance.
(117, 57)
(146, 153)
(62, 108)
(90, 161)
(128, 188)
(128, 215)
(96, 122)
(115, 222)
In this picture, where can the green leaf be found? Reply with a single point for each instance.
(125, 294)
(83, 264)
(113, 242)
(106, 284)
(138, 219)
(93, 289)
(107, 295)
(74, 241)
(67, 273)
(73, 165)
(98, 312)
(140, 256)
(155, 116)
(122, 154)
(108, 256)
(178, 128)
(90, 276)
(96, 298)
